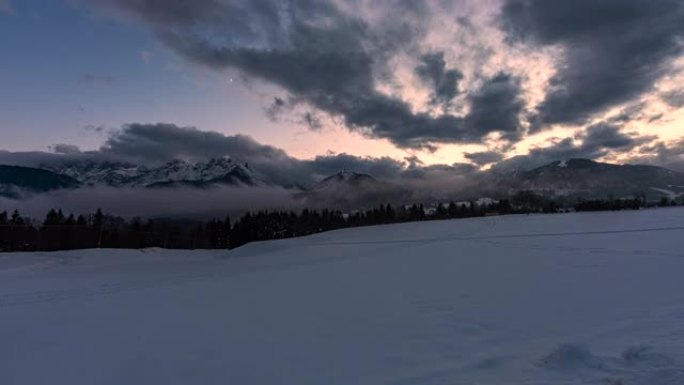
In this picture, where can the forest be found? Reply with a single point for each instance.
(60, 231)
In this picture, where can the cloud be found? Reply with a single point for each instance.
(484, 157)
(668, 154)
(443, 81)
(329, 57)
(312, 121)
(383, 167)
(497, 106)
(613, 50)
(162, 142)
(139, 202)
(674, 98)
(152, 144)
(597, 141)
(607, 136)
(62, 148)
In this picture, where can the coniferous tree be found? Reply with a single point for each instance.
(4, 231)
(441, 211)
(452, 210)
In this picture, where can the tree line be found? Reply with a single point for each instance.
(60, 231)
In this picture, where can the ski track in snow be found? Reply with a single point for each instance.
(592, 298)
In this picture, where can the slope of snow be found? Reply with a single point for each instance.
(668, 193)
(558, 299)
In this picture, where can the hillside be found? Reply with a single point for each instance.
(584, 178)
(539, 299)
(15, 180)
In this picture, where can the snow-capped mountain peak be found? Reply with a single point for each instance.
(173, 173)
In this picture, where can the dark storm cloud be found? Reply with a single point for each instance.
(322, 56)
(607, 136)
(443, 81)
(383, 167)
(62, 148)
(484, 157)
(614, 49)
(162, 142)
(497, 107)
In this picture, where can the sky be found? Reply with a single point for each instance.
(345, 83)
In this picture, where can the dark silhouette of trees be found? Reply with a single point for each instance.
(59, 231)
(609, 205)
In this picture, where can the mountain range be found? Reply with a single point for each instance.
(570, 179)
(220, 171)
(351, 190)
(584, 178)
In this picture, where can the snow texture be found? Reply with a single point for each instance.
(582, 298)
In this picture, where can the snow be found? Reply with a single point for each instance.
(582, 298)
(668, 193)
(115, 174)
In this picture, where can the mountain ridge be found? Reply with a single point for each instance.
(574, 178)
(17, 179)
(175, 173)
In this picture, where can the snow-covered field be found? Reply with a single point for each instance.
(543, 299)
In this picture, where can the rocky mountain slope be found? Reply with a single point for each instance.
(223, 171)
(16, 179)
